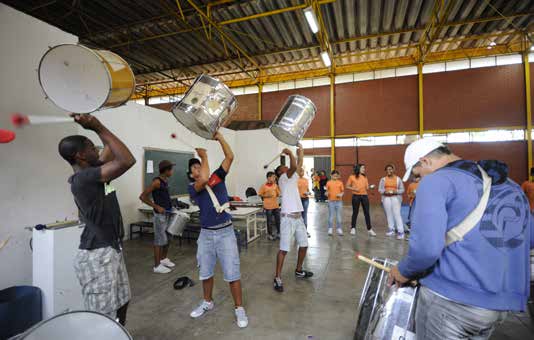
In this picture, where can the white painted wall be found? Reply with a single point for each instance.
(140, 127)
(254, 148)
(33, 177)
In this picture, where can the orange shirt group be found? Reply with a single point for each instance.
(391, 184)
(528, 188)
(303, 186)
(412, 188)
(334, 188)
(360, 184)
(273, 192)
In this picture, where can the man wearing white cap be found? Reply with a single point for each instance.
(469, 248)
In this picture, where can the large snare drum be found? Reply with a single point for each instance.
(206, 106)
(77, 325)
(81, 80)
(178, 223)
(293, 120)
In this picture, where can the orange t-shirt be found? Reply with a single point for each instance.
(303, 187)
(411, 191)
(359, 183)
(273, 192)
(391, 184)
(334, 188)
(528, 188)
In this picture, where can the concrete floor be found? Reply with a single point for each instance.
(323, 307)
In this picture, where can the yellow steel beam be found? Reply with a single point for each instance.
(426, 38)
(482, 129)
(526, 66)
(332, 122)
(420, 97)
(223, 34)
(356, 67)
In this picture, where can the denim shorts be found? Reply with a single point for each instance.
(218, 244)
(161, 223)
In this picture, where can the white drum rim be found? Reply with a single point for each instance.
(81, 46)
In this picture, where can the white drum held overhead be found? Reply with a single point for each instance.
(82, 80)
(206, 106)
(293, 120)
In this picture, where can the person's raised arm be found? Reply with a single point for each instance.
(204, 178)
(144, 197)
(227, 150)
(292, 162)
(300, 156)
(122, 157)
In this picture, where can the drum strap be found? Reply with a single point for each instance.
(220, 209)
(458, 232)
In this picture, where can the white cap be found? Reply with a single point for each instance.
(416, 151)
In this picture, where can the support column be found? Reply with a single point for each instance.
(526, 66)
(332, 123)
(260, 112)
(420, 96)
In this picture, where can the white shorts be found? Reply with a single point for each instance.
(290, 227)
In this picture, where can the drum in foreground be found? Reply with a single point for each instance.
(178, 223)
(293, 120)
(77, 325)
(82, 80)
(206, 106)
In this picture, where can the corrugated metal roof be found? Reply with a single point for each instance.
(167, 51)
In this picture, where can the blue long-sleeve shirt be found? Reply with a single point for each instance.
(489, 268)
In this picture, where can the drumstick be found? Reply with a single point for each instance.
(4, 242)
(19, 120)
(6, 136)
(175, 136)
(274, 159)
(372, 263)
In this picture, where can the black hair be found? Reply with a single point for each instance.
(441, 151)
(165, 169)
(531, 171)
(277, 170)
(69, 146)
(269, 174)
(357, 169)
(192, 162)
(389, 166)
(334, 172)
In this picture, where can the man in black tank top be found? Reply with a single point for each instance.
(161, 202)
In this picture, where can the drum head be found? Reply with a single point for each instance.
(74, 78)
(79, 325)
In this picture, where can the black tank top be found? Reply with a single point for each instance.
(161, 196)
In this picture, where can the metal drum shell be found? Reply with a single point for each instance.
(117, 78)
(294, 119)
(193, 112)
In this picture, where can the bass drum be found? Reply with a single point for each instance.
(293, 120)
(205, 107)
(82, 80)
(77, 325)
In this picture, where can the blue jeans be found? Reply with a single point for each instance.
(305, 204)
(335, 208)
(440, 318)
(220, 244)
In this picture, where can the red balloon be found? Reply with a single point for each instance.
(6, 136)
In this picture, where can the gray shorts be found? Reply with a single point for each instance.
(104, 280)
(219, 245)
(292, 228)
(161, 223)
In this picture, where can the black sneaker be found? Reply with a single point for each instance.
(303, 274)
(278, 286)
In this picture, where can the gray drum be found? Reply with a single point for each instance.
(206, 106)
(293, 120)
(76, 325)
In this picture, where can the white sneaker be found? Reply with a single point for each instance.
(329, 231)
(161, 269)
(353, 231)
(167, 263)
(241, 317)
(390, 233)
(202, 308)
(371, 232)
(340, 232)
(400, 237)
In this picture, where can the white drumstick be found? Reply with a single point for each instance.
(274, 159)
(19, 120)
